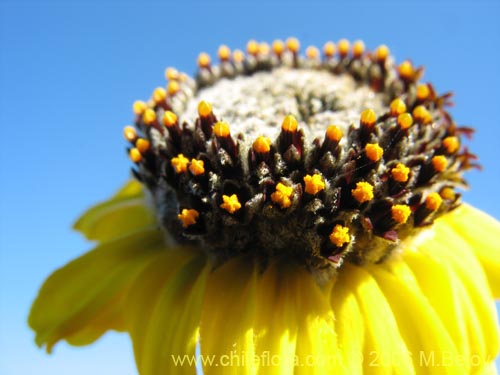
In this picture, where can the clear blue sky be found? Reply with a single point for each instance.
(70, 72)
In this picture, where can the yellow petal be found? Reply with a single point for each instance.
(482, 233)
(81, 300)
(123, 213)
(227, 319)
(164, 331)
(368, 330)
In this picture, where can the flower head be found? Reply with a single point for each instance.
(308, 209)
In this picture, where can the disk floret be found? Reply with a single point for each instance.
(321, 180)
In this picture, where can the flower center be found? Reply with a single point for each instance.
(319, 159)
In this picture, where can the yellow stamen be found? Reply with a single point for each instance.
(451, 144)
(139, 107)
(312, 52)
(159, 94)
(221, 129)
(398, 107)
(329, 49)
(135, 155)
(423, 91)
(400, 213)
(439, 163)
(358, 48)
(447, 193)
(197, 167)
(188, 217)
(278, 47)
(149, 116)
(129, 133)
(289, 124)
(433, 201)
(171, 74)
(169, 119)
(252, 47)
(405, 70)
(400, 173)
(421, 114)
(314, 184)
(381, 53)
(204, 109)
(340, 235)
(204, 60)
(343, 46)
(180, 163)
(405, 120)
(293, 44)
(238, 56)
(334, 133)
(231, 204)
(363, 192)
(374, 152)
(224, 52)
(368, 118)
(282, 195)
(264, 48)
(142, 145)
(262, 145)
(173, 87)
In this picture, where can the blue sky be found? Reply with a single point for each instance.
(70, 72)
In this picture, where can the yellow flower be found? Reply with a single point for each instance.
(311, 282)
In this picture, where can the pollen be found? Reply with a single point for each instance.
(221, 129)
(169, 119)
(422, 115)
(334, 133)
(406, 70)
(230, 203)
(343, 46)
(139, 107)
(197, 167)
(204, 109)
(374, 152)
(282, 195)
(368, 118)
(159, 94)
(405, 120)
(423, 91)
(400, 173)
(400, 213)
(358, 48)
(439, 163)
(262, 145)
(447, 193)
(129, 133)
(180, 163)
(224, 53)
(204, 60)
(142, 145)
(397, 107)
(314, 184)
(329, 49)
(340, 235)
(173, 88)
(188, 217)
(252, 47)
(433, 201)
(238, 56)
(171, 74)
(135, 155)
(278, 47)
(264, 48)
(451, 144)
(289, 124)
(312, 52)
(381, 53)
(363, 192)
(293, 44)
(149, 116)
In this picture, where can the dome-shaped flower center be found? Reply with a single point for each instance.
(318, 159)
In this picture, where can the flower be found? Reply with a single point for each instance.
(290, 214)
